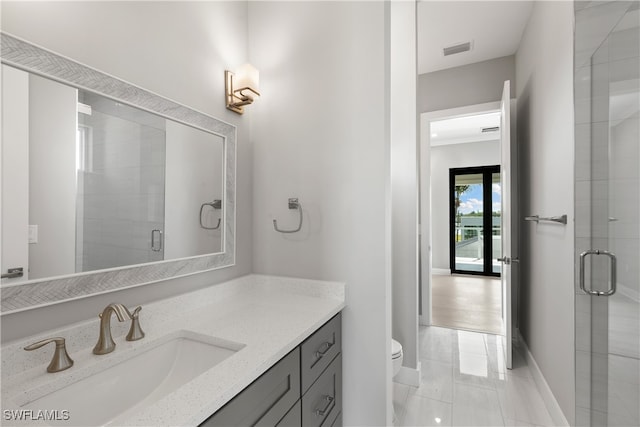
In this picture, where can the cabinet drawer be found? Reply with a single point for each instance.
(323, 402)
(267, 400)
(319, 350)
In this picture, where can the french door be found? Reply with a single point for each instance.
(474, 217)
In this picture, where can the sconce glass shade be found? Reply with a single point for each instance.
(241, 87)
(247, 77)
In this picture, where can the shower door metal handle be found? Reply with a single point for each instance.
(614, 276)
(153, 240)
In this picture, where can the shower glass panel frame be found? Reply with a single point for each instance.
(607, 191)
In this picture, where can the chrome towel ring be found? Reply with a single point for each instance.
(293, 204)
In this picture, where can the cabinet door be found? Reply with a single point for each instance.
(267, 400)
(293, 417)
(338, 421)
(323, 402)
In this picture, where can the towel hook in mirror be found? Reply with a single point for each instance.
(293, 204)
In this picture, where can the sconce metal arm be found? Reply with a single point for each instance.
(293, 204)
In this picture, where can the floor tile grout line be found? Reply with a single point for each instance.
(431, 398)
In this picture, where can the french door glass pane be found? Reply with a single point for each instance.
(468, 222)
(496, 229)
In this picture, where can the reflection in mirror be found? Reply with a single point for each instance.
(51, 188)
(100, 184)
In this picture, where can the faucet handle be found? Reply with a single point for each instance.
(60, 360)
(135, 331)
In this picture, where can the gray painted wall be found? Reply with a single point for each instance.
(332, 152)
(52, 162)
(483, 153)
(145, 43)
(404, 184)
(467, 85)
(544, 65)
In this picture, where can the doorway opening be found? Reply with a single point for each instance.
(474, 220)
(461, 198)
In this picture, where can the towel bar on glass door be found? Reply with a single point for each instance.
(293, 204)
(562, 219)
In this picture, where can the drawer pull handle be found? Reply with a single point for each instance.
(321, 352)
(330, 404)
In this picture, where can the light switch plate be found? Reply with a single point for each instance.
(33, 233)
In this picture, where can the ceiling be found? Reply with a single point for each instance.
(493, 27)
(465, 129)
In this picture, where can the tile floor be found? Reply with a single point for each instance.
(465, 383)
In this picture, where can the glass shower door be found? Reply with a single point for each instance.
(121, 156)
(607, 229)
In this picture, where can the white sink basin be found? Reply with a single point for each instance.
(121, 390)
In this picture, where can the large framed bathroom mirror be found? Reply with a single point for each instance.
(105, 185)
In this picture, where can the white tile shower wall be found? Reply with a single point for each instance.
(176, 49)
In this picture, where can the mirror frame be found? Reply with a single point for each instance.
(41, 292)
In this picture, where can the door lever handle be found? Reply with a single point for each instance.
(13, 273)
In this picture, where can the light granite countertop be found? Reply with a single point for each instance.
(268, 315)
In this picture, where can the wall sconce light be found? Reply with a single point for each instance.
(241, 87)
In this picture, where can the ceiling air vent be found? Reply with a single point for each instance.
(457, 48)
(492, 129)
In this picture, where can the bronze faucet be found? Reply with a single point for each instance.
(105, 342)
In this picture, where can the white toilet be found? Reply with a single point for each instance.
(396, 361)
(396, 356)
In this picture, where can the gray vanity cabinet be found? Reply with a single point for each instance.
(266, 400)
(322, 403)
(303, 389)
(293, 417)
(319, 350)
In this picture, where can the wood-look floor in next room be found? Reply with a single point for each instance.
(467, 302)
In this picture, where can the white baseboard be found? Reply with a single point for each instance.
(545, 391)
(441, 271)
(409, 376)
